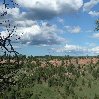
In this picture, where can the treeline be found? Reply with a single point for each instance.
(47, 57)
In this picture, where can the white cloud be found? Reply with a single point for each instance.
(73, 29)
(47, 9)
(95, 50)
(89, 5)
(94, 13)
(51, 4)
(33, 32)
(26, 23)
(70, 48)
(77, 50)
(15, 12)
(11, 12)
(36, 34)
(95, 35)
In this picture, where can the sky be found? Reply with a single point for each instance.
(53, 27)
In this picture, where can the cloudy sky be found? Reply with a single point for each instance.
(56, 27)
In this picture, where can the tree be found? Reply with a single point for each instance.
(97, 25)
(6, 41)
(7, 71)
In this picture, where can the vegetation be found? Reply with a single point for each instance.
(49, 77)
(46, 77)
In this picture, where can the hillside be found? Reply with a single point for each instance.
(51, 78)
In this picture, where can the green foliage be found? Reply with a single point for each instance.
(96, 96)
(50, 82)
(36, 97)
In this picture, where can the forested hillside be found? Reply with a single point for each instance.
(49, 77)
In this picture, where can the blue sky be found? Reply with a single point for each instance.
(56, 27)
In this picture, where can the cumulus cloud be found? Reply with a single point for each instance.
(30, 31)
(36, 34)
(77, 50)
(72, 29)
(26, 23)
(71, 49)
(10, 13)
(94, 13)
(44, 9)
(89, 5)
